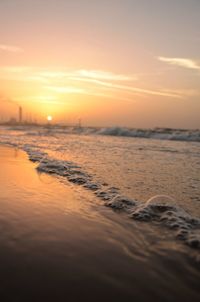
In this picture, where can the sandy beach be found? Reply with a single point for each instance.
(58, 242)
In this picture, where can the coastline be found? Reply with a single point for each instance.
(72, 242)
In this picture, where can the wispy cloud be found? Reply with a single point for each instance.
(74, 82)
(54, 74)
(14, 69)
(129, 89)
(182, 62)
(10, 48)
(87, 74)
(17, 73)
(89, 92)
(63, 90)
(103, 75)
(185, 92)
(45, 99)
(63, 74)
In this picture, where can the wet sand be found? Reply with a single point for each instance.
(58, 242)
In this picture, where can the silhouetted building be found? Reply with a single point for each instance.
(20, 114)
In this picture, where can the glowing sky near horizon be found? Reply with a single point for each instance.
(129, 63)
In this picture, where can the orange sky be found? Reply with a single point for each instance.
(106, 62)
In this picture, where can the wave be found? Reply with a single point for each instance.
(160, 209)
(156, 133)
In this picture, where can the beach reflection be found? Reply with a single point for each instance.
(56, 238)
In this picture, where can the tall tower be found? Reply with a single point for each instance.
(20, 114)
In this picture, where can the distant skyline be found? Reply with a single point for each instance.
(126, 63)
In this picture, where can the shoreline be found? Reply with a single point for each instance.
(184, 226)
(157, 133)
(69, 240)
(161, 209)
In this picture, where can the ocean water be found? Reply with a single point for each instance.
(139, 167)
(117, 216)
(58, 241)
(124, 171)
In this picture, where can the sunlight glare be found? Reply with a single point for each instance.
(49, 118)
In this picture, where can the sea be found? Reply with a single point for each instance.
(138, 194)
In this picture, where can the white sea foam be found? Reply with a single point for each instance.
(161, 209)
(164, 210)
(157, 133)
(192, 135)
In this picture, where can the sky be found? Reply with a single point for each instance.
(111, 63)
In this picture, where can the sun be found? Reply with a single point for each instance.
(49, 118)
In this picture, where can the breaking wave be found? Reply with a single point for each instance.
(156, 133)
(160, 209)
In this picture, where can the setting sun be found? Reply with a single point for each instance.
(49, 118)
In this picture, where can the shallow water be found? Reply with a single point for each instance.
(59, 242)
(124, 172)
(139, 167)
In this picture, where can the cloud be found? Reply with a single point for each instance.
(17, 73)
(45, 99)
(103, 75)
(89, 92)
(10, 48)
(47, 75)
(185, 92)
(85, 74)
(129, 89)
(65, 81)
(62, 90)
(182, 62)
(14, 69)
(53, 74)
